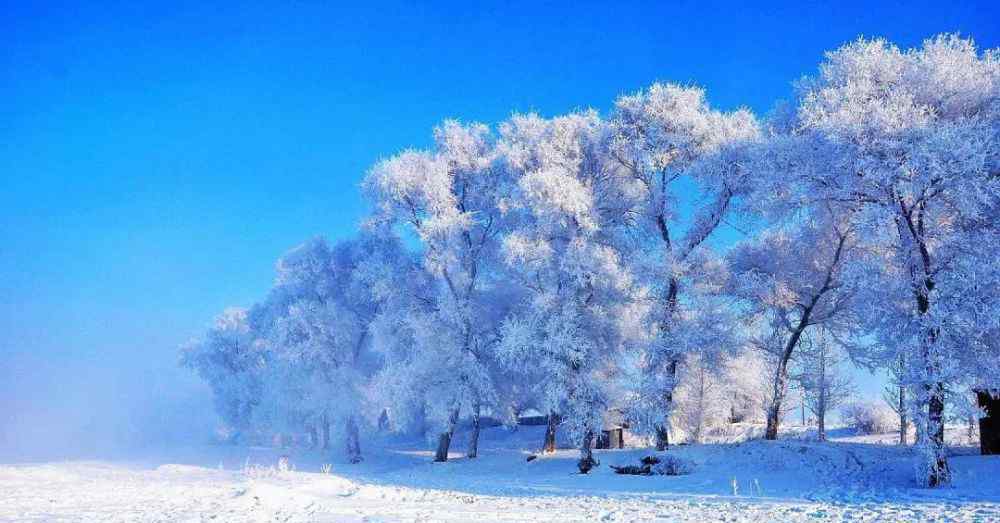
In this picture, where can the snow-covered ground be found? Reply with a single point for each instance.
(850, 478)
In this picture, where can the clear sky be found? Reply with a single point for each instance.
(156, 160)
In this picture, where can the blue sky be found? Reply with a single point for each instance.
(156, 160)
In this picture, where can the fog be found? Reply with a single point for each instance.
(83, 407)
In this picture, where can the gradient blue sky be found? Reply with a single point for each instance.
(156, 160)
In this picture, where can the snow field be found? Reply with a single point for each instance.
(787, 480)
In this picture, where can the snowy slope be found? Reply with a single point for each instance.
(789, 480)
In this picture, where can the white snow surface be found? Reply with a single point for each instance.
(851, 478)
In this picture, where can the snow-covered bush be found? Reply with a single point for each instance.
(869, 418)
(671, 465)
(255, 471)
(666, 465)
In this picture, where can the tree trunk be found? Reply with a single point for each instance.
(587, 460)
(920, 429)
(313, 437)
(662, 437)
(444, 440)
(473, 450)
(352, 441)
(778, 391)
(773, 419)
(781, 373)
(940, 473)
(822, 403)
(417, 423)
(550, 434)
(912, 235)
(324, 426)
(663, 429)
(902, 416)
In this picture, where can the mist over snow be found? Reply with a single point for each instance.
(85, 408)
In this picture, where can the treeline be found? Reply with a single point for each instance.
(572, 265)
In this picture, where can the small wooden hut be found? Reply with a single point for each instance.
(611, 438)
(613, 432)
(989, 425)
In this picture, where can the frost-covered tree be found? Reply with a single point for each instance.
(230, 362)
(568, 250)
(746, 377)
(700, 397)
(907, 138)
(894, 395)
(557, 266)
(450, 198)
(315, 324)
(657, 134)
(790, 280)
(825, 387)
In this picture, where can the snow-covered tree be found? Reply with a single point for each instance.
(825, 386)
(315, 324)
(657, 134)
(700, 397)
(907, 139)
(450, 198)
(566, 261)
(230, 362)
(568, 249)
(747, 383)
(894, 395)
(790, 280)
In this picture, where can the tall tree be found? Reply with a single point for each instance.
(907, 138)
(316, 322)
(228, 359)
(657, 134)
(449, 198)
(569, 251)
(825, 386)
(894, 396)
(791, 279)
